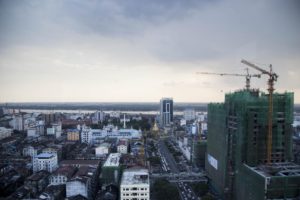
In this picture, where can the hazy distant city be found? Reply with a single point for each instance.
(149, 100)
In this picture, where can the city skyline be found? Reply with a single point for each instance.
(115, 51)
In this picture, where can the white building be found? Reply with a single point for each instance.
(86, 135)
(189, 114)
(5, 132)
(203, 126)
(61, 175)
(135, 185)
(45, 161)
(94, 136)
(182, 122)
(17, 122)
(112, 160)
(115, 114)
(55, 130)
(82, 183)
(35, 129)
(32, 132)
(122, 146)
(185, 149)
(77, 186)
(31, 151)
(202, 116)
(102, 150)
(52, 150)
(125, 134)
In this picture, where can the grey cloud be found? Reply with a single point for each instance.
(176, 35)
(225, 28)
(46, 22)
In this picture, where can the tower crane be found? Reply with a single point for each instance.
(247, 76)
(272, 78)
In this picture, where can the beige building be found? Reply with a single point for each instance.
(73, 135)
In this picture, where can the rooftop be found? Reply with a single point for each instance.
(80, 162)
(112, 160)
(45, 155)
(38, 175)
(122, 142)
(67, 171)
(135, 176)
(85, 171)
(104, 145)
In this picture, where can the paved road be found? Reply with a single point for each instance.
(168, 156)
(184, 189)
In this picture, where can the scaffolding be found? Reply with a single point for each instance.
(238, 135)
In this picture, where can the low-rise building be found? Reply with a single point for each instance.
(73, 135)
(35, 128)
(80, 163)
(17, 122)
(5, 132)
(61, 175)
(86, 135)
(102, 149)
(84, 183)
(135, 184)
(37, 182)
(53, 192)
(10, 180)
(111, 170)
(54, 149)
(32, 132)
(31, 150)
(55, 130)
(189, 114)
(122, 146)
(45, 161)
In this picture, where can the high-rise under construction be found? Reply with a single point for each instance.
(237, 160)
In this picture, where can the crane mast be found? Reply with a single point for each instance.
(272, 78)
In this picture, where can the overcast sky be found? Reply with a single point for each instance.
(142, 50)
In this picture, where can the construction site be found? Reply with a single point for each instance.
(249, 144)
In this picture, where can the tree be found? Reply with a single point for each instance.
(163, 190)
(207, 197)
(200, 188)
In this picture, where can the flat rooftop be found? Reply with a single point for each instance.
(104, 145)
(135, 176)
(45, 155)
(112, 160)
(282, 169)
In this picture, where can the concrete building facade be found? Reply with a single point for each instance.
(135, 185)
(73, 135)
(5, 132)
(45, 161)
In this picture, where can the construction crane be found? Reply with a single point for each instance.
(247, 76)
(272, 78)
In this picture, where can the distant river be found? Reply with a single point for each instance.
(153, 112)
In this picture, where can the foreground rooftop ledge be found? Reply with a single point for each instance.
(282, 169)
